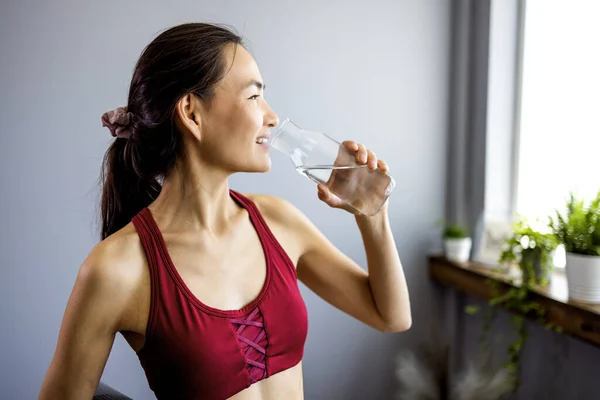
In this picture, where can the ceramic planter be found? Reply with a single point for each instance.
(583, 277)
(458, 250)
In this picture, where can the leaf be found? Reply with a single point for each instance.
(472, 310)
(579, 228)
(455, 231)
(559, 329)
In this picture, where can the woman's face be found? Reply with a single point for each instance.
(236, 117)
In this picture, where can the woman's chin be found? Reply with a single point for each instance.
(265, 164)
(265, 168)
(259, 167)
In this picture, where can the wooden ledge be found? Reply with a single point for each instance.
(579, 320)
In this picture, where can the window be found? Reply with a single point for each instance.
(559, 143)
(559, 136)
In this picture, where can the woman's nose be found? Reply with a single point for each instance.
(271, 119)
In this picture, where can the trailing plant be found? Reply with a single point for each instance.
(531, 247)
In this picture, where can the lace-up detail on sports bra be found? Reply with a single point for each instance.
(194, 351)
(253, 341)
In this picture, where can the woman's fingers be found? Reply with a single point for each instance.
(382, 165)
(371, 160)
(329, 198)
(350, 145)
(365, 156)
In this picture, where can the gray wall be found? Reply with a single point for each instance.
(374, 71)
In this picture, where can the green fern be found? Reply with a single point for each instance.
(455, 231)
(579, 228)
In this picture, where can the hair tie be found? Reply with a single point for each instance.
(118, 121)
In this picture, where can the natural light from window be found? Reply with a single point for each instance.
(560, 118)
(559, 145)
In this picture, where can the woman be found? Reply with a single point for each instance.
(199, 279)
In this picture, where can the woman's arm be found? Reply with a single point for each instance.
(378, 297)
(93, 316)
(384, 300)
(386, 277)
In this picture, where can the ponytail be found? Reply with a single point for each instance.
(124, 192)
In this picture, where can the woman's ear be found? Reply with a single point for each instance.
(188, 115)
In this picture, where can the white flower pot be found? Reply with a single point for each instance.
(458, 250)
(583, 277)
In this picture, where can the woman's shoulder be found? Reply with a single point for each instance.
(283, 213)
(117, 261)
(110, 275)
(275, 208)
(121, 247)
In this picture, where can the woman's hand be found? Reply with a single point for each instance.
(350, 178)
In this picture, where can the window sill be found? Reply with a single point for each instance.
(578, 320)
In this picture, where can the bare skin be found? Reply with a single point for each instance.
(201, 225)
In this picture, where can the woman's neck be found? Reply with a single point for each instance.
(195, 199)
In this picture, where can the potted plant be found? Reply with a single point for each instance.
(579, 231)
(532, 247)
(457, 243)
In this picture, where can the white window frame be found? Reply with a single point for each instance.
(505, 72)
(504, 75)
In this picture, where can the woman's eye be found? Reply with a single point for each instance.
(256, 96)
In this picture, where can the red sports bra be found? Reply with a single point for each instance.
(194, 351)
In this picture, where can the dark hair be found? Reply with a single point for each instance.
(184, 59)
